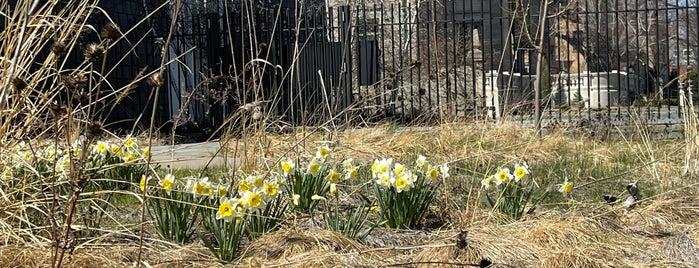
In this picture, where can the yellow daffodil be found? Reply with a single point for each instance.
(566, 187)
(256, 181)
(27, 156)
(333, 176)
(114, 149)
(76, 151)
(381, 166)
(404, 182)
(317, 197)
(295, 199)
(7, 174)
(333, 189)
(168, 182)
(253, 200)
(421, 163)
(351, 173)
(375, 209)
(287, 166)
(521, 171)
(503, 175)
(488, 182)
(145, 152)
(100, 148)
(51, 153)
(208, 189)
(401, 184)
(130, 143)
(398, 168)
(432, 173)
(129, 158)
(144, 182)
(226, 210)
(384, 180)
(222, 190)
(323, 152)
(63, 165)
(244, 186)
(314, 167)
(270, 189)
(202, 187)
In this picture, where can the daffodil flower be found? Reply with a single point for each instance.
(314, 167)
(295, 199)
(333, 189)
(222, 190)
(503, 175)
(167, 183)
(421, 163)
(444, 170)
(253, 200)
(317, 197)
(270, 188)
(333, 176)
(287, 166)
(323, 152)
(521, 171)
(566, 187)
(226, 209)
(488, 182)
(144, 182)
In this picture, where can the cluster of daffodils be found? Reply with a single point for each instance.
(198, 187)
(504, 176)
(389, 174)
(254, 192)
(49, 158)
(315, 177)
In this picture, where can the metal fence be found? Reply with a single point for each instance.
(310, 61)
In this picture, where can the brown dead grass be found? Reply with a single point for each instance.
(660, 234)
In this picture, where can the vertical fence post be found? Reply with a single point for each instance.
(537, 83)
(345, 83)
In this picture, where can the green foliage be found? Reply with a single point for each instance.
(404, 196)
(175, 213)
(222, 237)
(355, 225)
(268, 219)
(303, 182)
(512, 194)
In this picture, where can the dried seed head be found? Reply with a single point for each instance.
(19, 83)
(75, 81)
(111, 31)
(431, 77)
(58, 109)
(59, 48)
(83, 98)
(391, 74)
(94, 52)
(462, 239)
(262, 46)
(155, 80)
(421, 91)
(95, 130)
(388, 86)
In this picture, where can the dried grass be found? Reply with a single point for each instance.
(661, 234)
